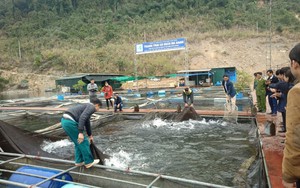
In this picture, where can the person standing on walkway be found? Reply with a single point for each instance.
(229, 91)
(260, 93)
(108, 92)
(188, 97)
(272, 79)
(291, 153)
(255, 81)
(74, 121)
(92, 88)
(281, 91)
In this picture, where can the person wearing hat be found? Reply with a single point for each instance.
(261, 93)
(188, 96)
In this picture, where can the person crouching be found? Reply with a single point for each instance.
(188, 96)
(118, 104)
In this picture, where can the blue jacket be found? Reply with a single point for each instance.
(229, 88)
(284, 88)
(118, 100)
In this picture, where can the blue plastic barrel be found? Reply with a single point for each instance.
(161, 93)
(239, 95)
(60, 97)
(218, 83)
(70, 185)
(31, 180)
(150, 94)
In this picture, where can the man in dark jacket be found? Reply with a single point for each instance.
(272, 79)
(230, 91)
(118, 102)
(75, 120)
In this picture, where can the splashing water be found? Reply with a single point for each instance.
(207, 150)
(51, 147)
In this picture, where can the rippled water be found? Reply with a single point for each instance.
(209, 150)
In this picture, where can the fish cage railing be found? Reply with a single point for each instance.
(153, 180)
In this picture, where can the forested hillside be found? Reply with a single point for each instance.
(69, 36)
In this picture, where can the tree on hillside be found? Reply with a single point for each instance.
(3, 83)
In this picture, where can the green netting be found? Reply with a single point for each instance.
(124, 78)
(131, 78)
(171, 75)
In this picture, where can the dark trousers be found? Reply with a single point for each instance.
(273, 104)
(92, 97)
(111, 104)
(120, 107)
(283, 120)
(298, 184)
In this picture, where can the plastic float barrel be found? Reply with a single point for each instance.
(161, 93)
(70, 185)
(150, 94)
(31, 180)
(137, 95)
(60, 97)
(218, 83)
(239, 95)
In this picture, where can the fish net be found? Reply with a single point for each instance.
(230, 112)
(16, 140)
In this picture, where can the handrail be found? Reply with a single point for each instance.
(156, 176)
(77, 173)
(14, 159)
(52, 177)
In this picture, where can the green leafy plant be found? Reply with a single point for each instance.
(79, 86)
(3, 83)
(243, 81)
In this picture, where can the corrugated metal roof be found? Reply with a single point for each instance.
(81, 75)
(200, 70)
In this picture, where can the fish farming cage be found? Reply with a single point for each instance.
(104, 176)
(18, 170)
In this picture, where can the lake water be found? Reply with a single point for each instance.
(24, 94)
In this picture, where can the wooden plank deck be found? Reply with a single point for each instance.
(272, 147)
(200, 112)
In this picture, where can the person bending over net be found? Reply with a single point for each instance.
(74, 121)
(188, 97)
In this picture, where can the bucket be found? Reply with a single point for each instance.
(60, 97)
(46, 173)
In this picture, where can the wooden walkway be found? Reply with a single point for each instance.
(200, 112)
(272, 147)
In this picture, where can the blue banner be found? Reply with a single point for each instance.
(160, 46)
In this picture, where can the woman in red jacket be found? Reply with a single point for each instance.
(108, 91)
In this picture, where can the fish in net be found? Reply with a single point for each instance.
(230, 112)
